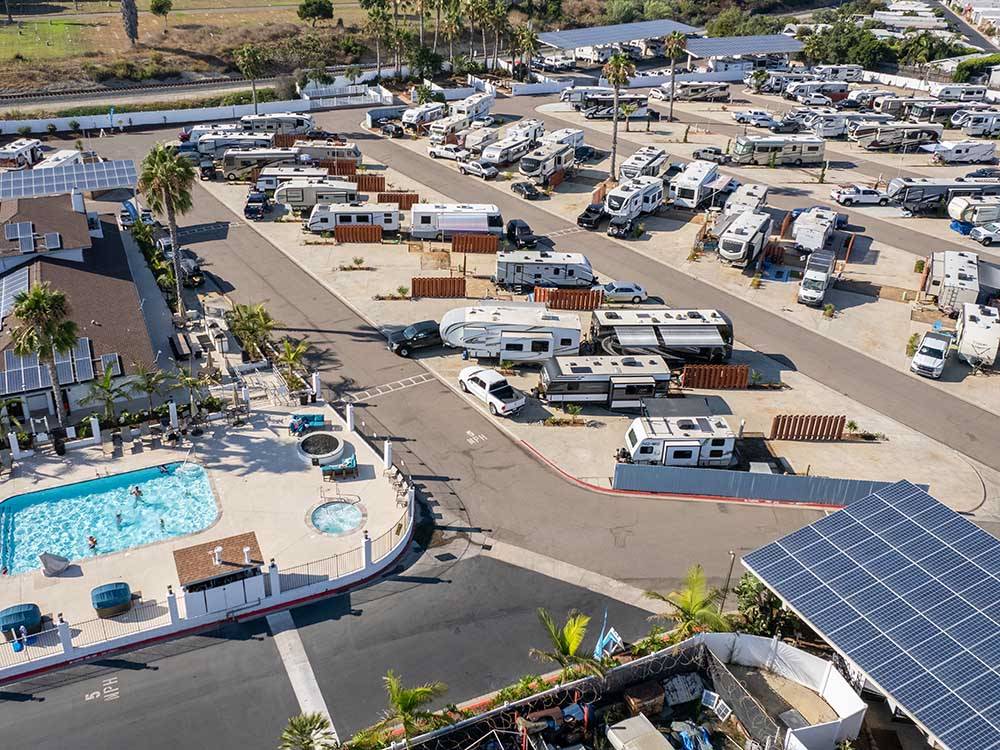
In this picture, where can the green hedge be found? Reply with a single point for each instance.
(227, 100)
(971, 68)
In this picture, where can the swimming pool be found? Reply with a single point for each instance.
(175, 499)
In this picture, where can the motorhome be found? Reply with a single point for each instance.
(687, 335)
(613, 382)
(21, 153)
(648, 160)
(839, 72)
(985, 123)
(835, 90)
(329, 151)
(61, 158)
(506, 151)
(596, 55)
(779, 150)
(817, 277)
(326, 217)
(576, 95)
(778, 81)
(744, 239)
(975, 209)
(512, 332)
(524, 270)
(898, 106)
(430, 221)
(279, 122)
(865, 97)
(545, 161)
(531, 129)
(977, 334)
(195, 132)
(813, 228)
(747, 197)
(607, 99)
(214, 145)
(962, 152)
(927, 194)
(271, 177)
(959, 92)
(838, 124)
(640, 195)
(441, 130)
(680, 441)
(698, 91)
(698, 185)
(476, 105)
(650, 47)
(476, 139)
(424, 114)
(568, 136)
(942, 112)
(302, 195)
(239, 164)
(897, 136)
(953, 279)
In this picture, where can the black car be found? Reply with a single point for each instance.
(519, 234)
(985, 172)
(591, 216)
(321, 135)
(526, 190)
(621, 226)
(206, 169)
(847, 104)
(786, 126)
(392, 130)
(257, 205)
(586, 153)
(420, 335)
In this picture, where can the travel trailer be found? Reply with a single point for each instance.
(745, 238)
(975, 209)
(898, 106)
(779, 150)
(424, 114)
(812, 229)
(942, 112)
(214, 145)
(300, 195)
(271, 177)
(576, 95)
(698, 185)
(985, 123)
(329, 151)
(897, 136)
(835, 90)
(596, 55)
(567, 136)
(817, 277)
(962, 152)
(613, 382)
(959, 92)
(471, 107)
(506, 151)
(679, 441)
(865, 97)
(696, 91)
(977, 334)
(530, 129)
(476, 139)
(239, 164)
(839, 124)
(508, 331)
(326, 217)
(648, 160)
(429, 221)
(953, 279)
(778, 81)
(21, 153)
(927, 194)
(839, 72)
(61, 158)
(545, 161)
(524, 270)
(441, 130)
(641, 195)
(686, 335)
(747, 197)
(195, 132)
(279, 122)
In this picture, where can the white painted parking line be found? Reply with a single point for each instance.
(300, 674)
(381, 390)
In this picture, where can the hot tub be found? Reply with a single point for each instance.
(320, 448)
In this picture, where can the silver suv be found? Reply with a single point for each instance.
(478, 169)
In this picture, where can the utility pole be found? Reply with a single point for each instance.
(729, 578)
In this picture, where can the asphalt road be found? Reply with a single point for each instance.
(968, 29)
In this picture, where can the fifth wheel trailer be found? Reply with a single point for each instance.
(744, 239)
(520, 269)
(977, 334)
(300, 195)
(508, 331)
(615, 382)
(686, 335)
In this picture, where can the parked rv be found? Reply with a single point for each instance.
(953, 279)
(568, 136)
(546, 161)
(698, 185)
(612, 382)
(329, 151)
(533, 130)
(975, 209)
(442, 220)
(977, 334)
(748, 197)
(985, 124)
(943, 112)
(474, 106)
(962, 152)
(745, 238)
(641, 195)
(927, 194)
(648, 160)
(300, 195)
(507, 151)
(959, 92)
(897, 136)
(833, 90)
(812, 229)
(441, 130)
(898, 106)
(239, 164)
(424, 114)
(193, 134)
(817, 278)
(521, 269)
(687, 335)
(216, 144)
(679, 441)
(779, 150)
(271, 177)
(577, 95)
(839, 72)
(326, 217)
(295, 123)
(693, 91)
(512, 332)
(475, 140)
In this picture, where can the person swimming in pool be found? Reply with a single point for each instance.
(92, 542)
(118, 520)
(136, 492)
(163, 525)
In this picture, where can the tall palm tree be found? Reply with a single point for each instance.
(470, 11)
(438, 8)
(452, 25)
(674, 45)
(251, 61)
(497, 19)
(420, 7)
(528, 44)
(308, 732)
(695, 606)
(166, 179)
(105, 392)
(290, 357)
(44, 329)
(628, 109)
(406, 705)
(148, 381)
(618, 71)
(566, 642)
(379, 28)
(253, 325)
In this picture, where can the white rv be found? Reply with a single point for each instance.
(748, 197)
(839, 72)
(688, 335)
(982, 123)
(329, 151)
(898, 106)
(279, 122)
(545, 161)
(61, 158)
(596, 55)
(694, 91)
(326, 217)
(779, 150)
(577, 95)
(953, 279)
(476, 139)
(745, 238)
(835, 90)
(429, 221)
(648, 160)
(21, 153)
(975, 209)
(214, 145)
(511, 332)
(568, 136)
(641, 195)
(680, 441)
(614, 382)
(521, 269)
(697, 185)
(958, 92)
(962, 152)
(927, 194)
(271, 177)
(977, 334)
(424, 114)
(448, 126)
(530, 129)
(238, 163)
(897, 136)
(300, 194)
(195, 133)
(812, 229)
(476, 105)
(506, 151)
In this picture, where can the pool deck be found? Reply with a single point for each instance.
(260, 483)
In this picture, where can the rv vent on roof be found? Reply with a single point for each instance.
(686, 425)
(694, 314)
(612, 315)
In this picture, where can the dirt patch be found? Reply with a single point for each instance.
(777, 695)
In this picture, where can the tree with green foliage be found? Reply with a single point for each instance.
(968, 69)
(846, 43)
(695, 606)
(673, 46)
(761, 612)
(622, 11)
(423, 62)
(736, 22)
(618, 71)
(452, 26)
(378, 27)
(315, 10)
(252, 62)
(628, 109)
(311, 731)
(565, 642)
(757, 79)
(130, 20)
(160, 9)
(148, 381)
(105, 391)
(528, 44)
(253, 325)
(291, 356)
(423, 94)
(406, 706)
(923, 47)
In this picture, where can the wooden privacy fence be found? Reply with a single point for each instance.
(569, 299)
(437, 286)
(807, 427)
(370, 183)
(339, 167)
(285, 140)
(358, 233)
(403, 200)
(715, 376)
(786, 224)
(556, 179)
(475, 243)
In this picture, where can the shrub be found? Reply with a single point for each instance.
(402, 291)
(918, 267)
(51, 128)
(911, 345)
(24, 131)
(968, 69)
(74, 126)
(829, 310)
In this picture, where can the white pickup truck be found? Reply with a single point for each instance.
(489, 386)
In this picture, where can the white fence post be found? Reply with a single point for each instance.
(64, 635)
(349, 417)
(368, 550)
(387, 453)
(272, 572)
(316, 386)
(95, 430)
(15, 448)
(175, 616)
(173, 415)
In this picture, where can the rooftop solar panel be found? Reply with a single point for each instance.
(909, 591)
(31, 183)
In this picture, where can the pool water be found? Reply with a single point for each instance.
(176, 500)
(337, 518)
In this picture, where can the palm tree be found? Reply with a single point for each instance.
(379, 28)
(618, 70)
(528, 44)
(308, 732)
(43, 329)
(420, 8)
(194, 384)
(566, 642)
(452, 26)
(695, 606)
(757, 79)
(290, 357)
(673, 45)
(149, 381)
(497, 18)
(438, 7)
(166, 179)
(405, 705)
(253, 325)
(251, 61)
(628, 109)
(105, 391)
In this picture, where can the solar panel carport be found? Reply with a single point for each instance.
(621, 32)
(726, 46)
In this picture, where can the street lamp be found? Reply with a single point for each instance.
(729, 577)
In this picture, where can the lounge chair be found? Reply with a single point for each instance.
(145, 436)
(53, 565)
(346, 468)
(13, 618)
(111, 599)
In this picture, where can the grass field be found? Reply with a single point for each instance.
(48, 40)
(57, 7)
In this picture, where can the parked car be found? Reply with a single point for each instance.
(623, 291)
(745, 115)
(207, 170)
(478, 168)
(519, 234)
(785, 126)
(448, 151)
(392, 130)
(814, 100)
(987, 234)
(762, 121)
(422, 335)
(321, 135)
(492, 388)
(587, 153)
(622, 226)
(711, 153)
(257, 205)
(486, 121)
(931, 354)
(591, 216)
(849, 195)
(526, 190)
(985, 172)
(847, 104)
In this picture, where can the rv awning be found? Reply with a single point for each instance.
(636, 335)
(719, 182)
(989, 276)
(632, 380)
(463, 223)
(690, 335)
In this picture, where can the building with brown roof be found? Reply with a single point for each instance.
(54, 226)
(218, 563)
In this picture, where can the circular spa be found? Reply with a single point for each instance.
(321, 448)
(338, 518)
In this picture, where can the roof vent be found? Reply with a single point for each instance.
(217, 555)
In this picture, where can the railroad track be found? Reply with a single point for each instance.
(101, 92)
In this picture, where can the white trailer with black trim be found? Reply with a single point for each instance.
(615, 382)
(300, 195)
(524, 270)
(648, 160)
(686, 335)
(429, 221)
(508, 331)
(745, 238)
(326, 217)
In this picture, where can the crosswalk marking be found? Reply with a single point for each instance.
(381, 390)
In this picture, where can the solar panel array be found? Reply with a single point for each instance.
(11, 285)
(724, 46)
(622, 32)
(909, 591)
(23, 374)
(17, 230)
(31, 183)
